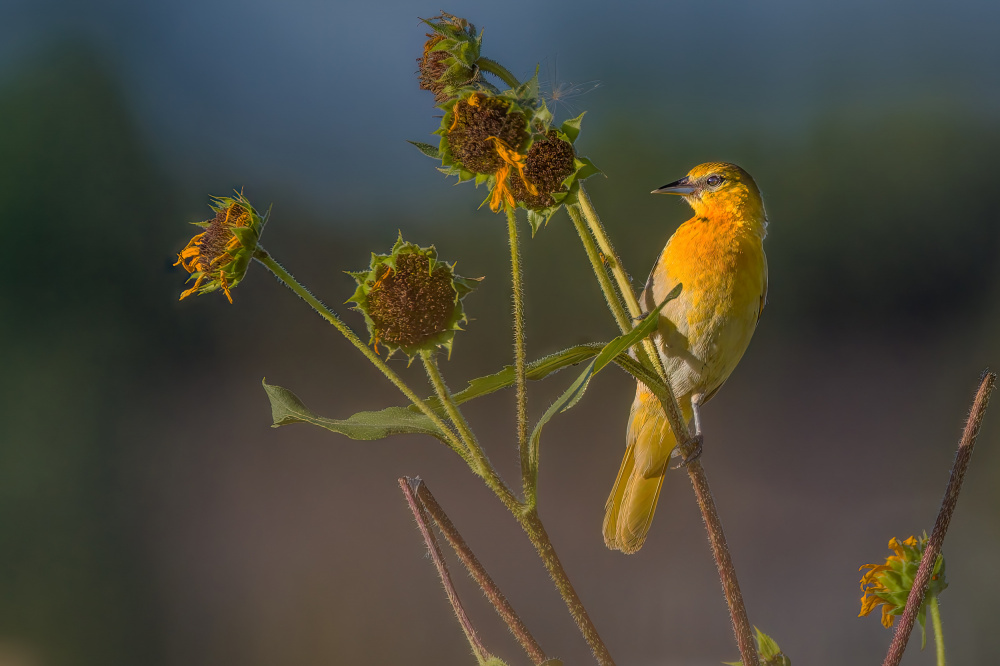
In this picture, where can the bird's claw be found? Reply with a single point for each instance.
(697, 442)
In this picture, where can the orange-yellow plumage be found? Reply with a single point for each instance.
(718, 256)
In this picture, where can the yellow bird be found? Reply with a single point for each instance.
(718, 256)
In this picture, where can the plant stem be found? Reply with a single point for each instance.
(498, 70)
(520, 361)
(932, 606)
(614, 302)
(649, 356)
(479, 574)
(533, 526)
(962, 458)
(479, 463)
(444, 395)
(289, 281)
(648, 352)
(724, 563)
(482, 654)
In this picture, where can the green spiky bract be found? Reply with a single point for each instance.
(380, 264)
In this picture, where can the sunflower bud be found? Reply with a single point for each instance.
(449, 59)
(410, 300)
(218, 257)
(889, 584)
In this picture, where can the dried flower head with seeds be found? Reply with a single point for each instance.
(410, 300)
(548, 162)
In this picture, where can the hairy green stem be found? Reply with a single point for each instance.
(444, 395)
(289, 281)
(612, 298)
(520, 360)
(498, 70)
(647, 353)
(533, 526)
(932, 606)
(480, 464)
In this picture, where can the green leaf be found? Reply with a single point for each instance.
(619, 345)
(571, 127)
(427, 149)
(536, 370)
(537, 219)
(585, 168)
(766, 646)
(286, 408)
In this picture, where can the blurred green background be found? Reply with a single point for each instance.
(148, 515)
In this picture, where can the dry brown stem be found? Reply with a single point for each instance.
(962, 458)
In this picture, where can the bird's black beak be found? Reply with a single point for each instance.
(682, 187)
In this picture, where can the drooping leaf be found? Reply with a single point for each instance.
(618, 346)
(287, 408)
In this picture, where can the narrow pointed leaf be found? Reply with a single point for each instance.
(536, 370)
(287, 408)
(618, 346)
(427, 149)
(571, 127)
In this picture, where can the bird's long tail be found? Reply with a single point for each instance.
(629, 510)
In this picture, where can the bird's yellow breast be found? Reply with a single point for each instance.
(703, 334)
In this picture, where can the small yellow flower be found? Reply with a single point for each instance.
(889, 584)
(218, 257)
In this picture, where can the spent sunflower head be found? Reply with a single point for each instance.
(410, 300)
(889, 584)
(218, 257)
(450, 54)
(507, 141)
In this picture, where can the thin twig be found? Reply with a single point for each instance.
(479, 574)
(962, 458)
(407, 486)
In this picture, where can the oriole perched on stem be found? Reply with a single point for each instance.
(718, 256)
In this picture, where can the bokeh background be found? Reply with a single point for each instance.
(149, 515)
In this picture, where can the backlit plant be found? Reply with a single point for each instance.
(498, 132)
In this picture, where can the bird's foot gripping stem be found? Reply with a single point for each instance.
(697, 443)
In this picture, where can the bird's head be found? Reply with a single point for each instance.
(717, 188)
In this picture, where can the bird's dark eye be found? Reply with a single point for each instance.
(714, 180)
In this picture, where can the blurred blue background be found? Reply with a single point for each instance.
(148, 514)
